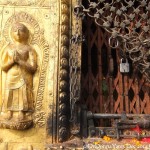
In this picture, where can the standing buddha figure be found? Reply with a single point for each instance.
(19, 62)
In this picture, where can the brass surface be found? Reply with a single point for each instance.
(18, 64)
(41, 18)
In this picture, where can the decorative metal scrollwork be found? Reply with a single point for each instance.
(128, 21)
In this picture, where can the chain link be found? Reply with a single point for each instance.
(74, 69)
(74, 80)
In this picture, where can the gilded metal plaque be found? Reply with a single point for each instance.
(29, 43)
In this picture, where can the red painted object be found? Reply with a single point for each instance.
(147, 140)
(137, 129)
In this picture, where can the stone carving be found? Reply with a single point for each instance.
(19, 62)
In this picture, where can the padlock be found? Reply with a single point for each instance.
(124, 66)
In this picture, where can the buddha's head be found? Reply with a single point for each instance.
(20, 32)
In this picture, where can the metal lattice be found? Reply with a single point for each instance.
(102, 90)
(128, 21)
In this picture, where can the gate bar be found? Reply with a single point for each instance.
(91, 115)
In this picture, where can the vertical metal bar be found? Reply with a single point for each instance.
(111, 71)
(89, 65)
(84, 125)
(126, 99)
(121, 92)
(111, 95)
(138, 109)
(101, 104)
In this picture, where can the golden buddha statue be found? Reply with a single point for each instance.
(19, 62)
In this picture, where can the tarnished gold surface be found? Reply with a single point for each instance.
(41, 17)
(37, 3)
(18, 64)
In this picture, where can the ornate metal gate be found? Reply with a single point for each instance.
(104, 88)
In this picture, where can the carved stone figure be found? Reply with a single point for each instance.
(19, 62)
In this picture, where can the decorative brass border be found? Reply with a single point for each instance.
(63, 98)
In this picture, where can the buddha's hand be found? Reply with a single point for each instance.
(11, 61)
(16, 57)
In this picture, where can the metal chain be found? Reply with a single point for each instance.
(74, 84)
(74, 69)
